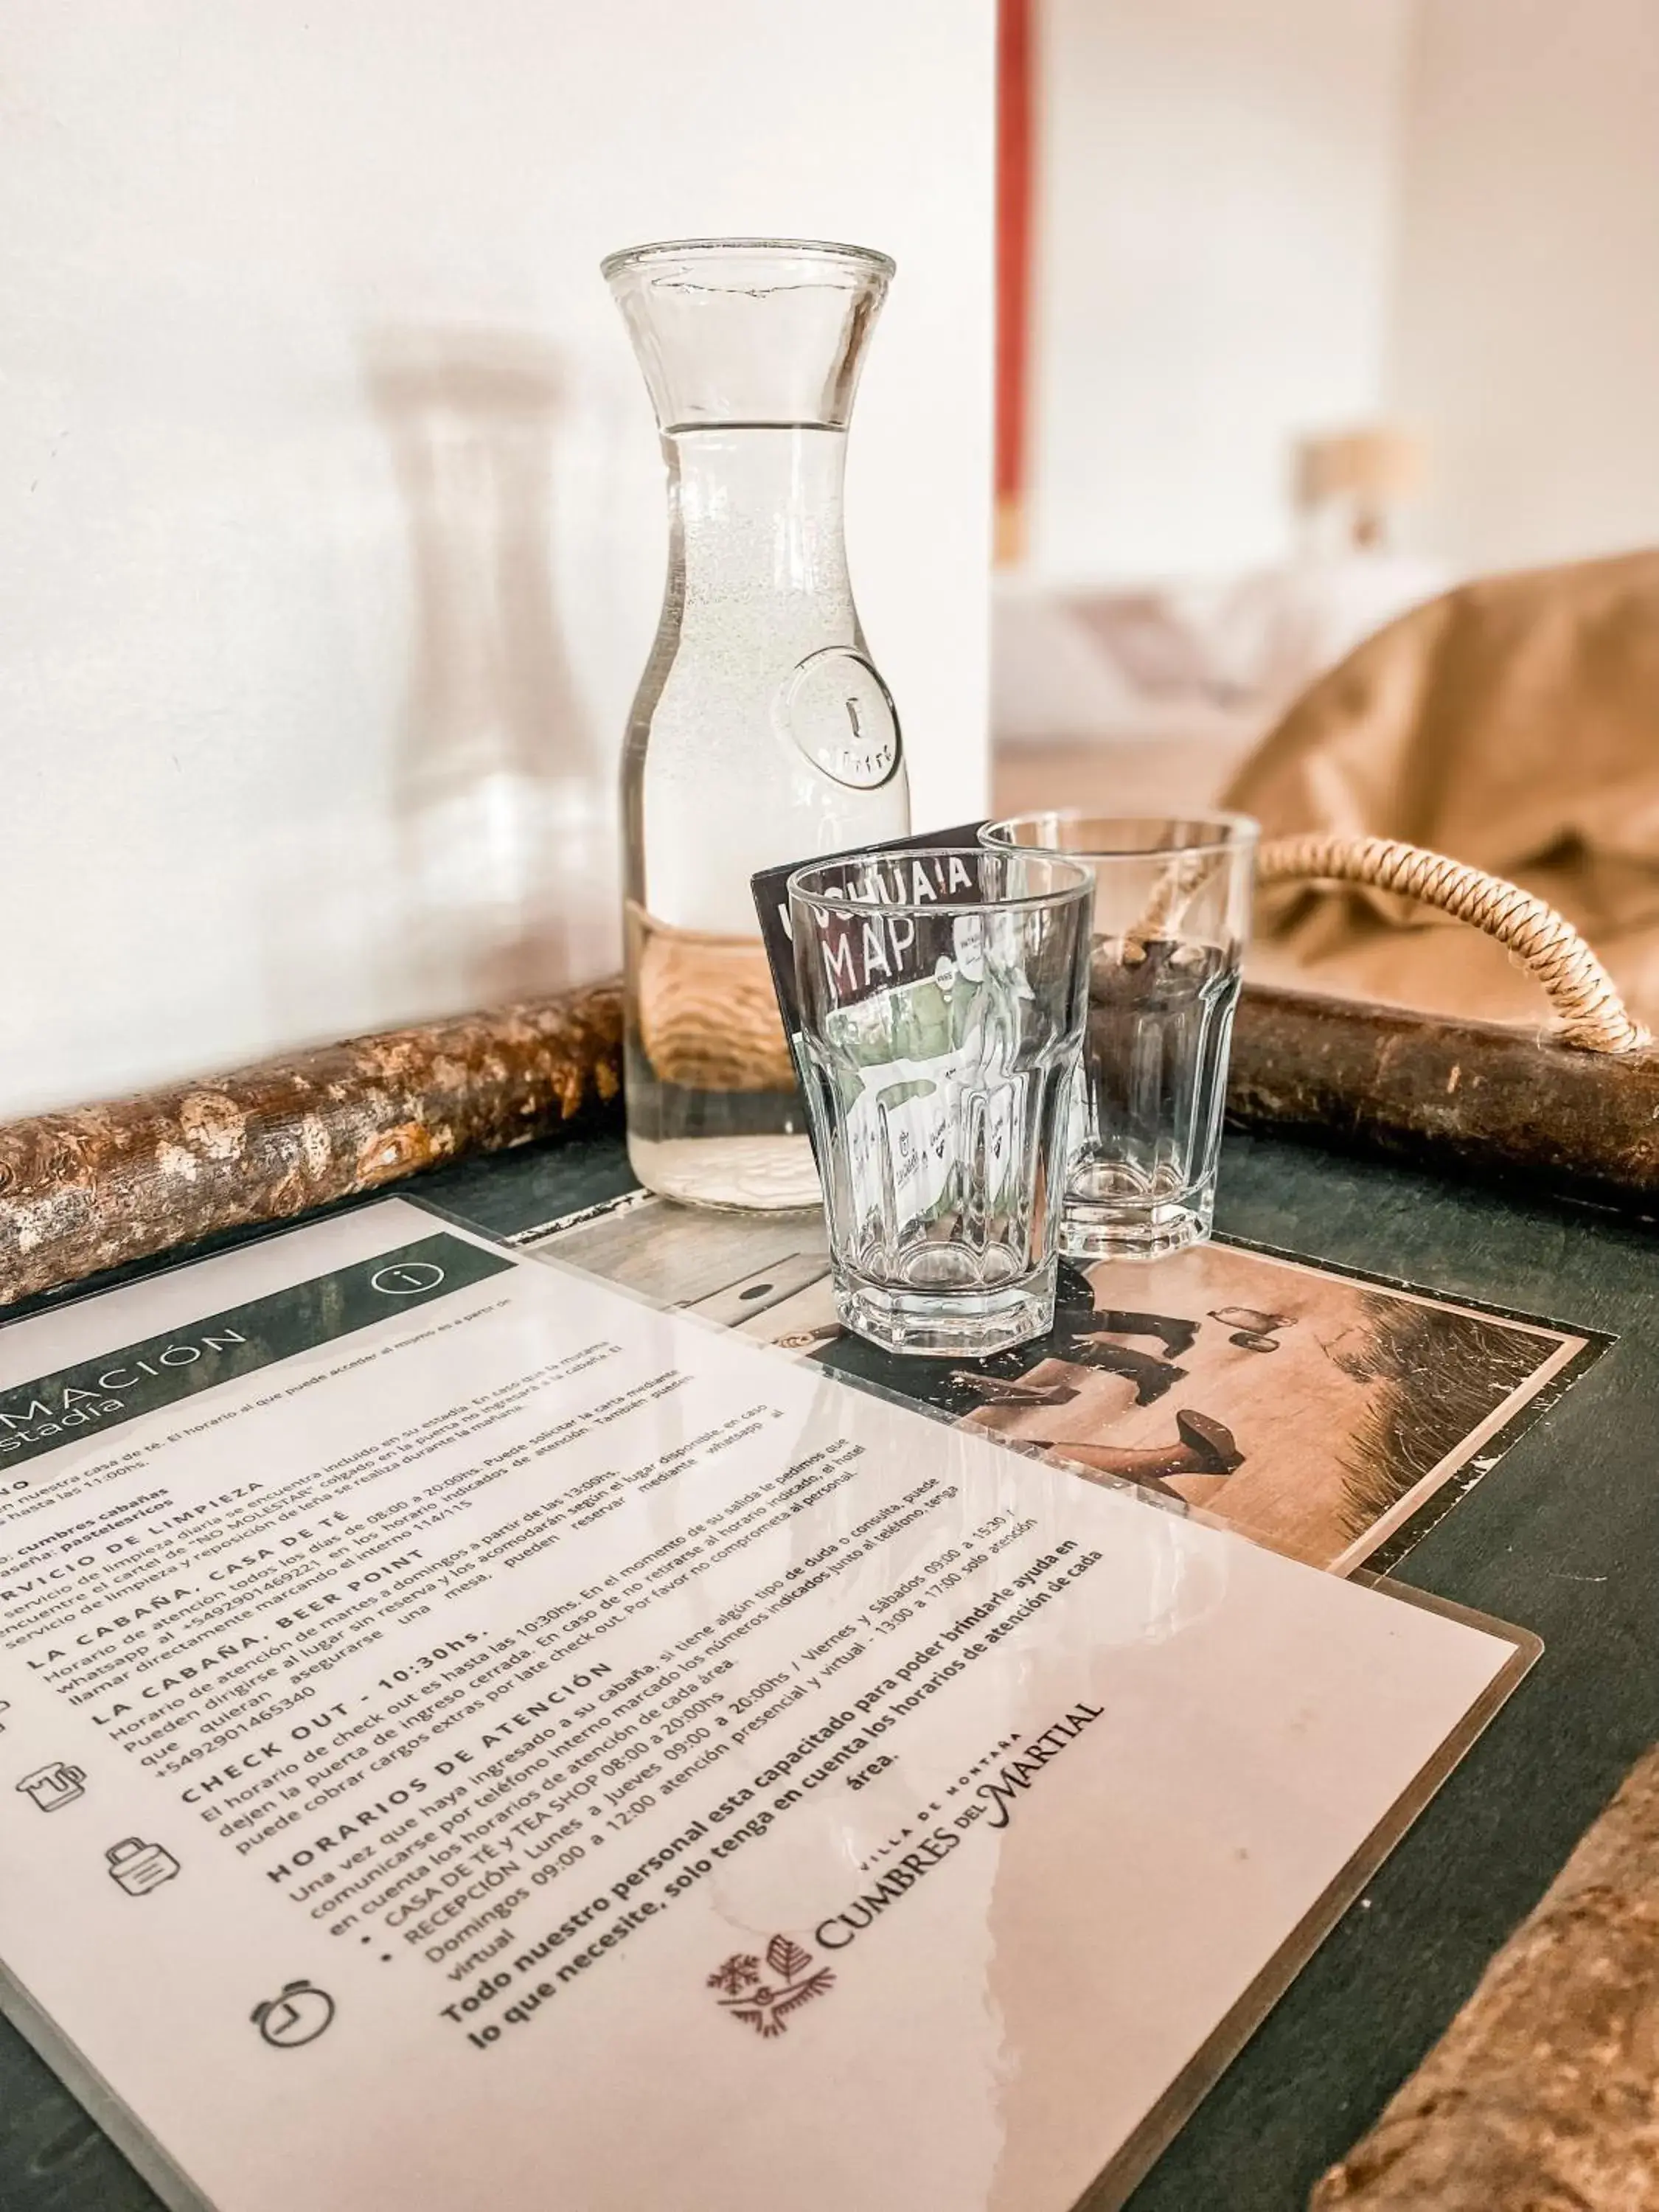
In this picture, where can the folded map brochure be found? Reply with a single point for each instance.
(771, 889)
(473, 1734)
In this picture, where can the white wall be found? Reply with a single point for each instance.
(1525, 333)
(330, 532)
(1216, 218)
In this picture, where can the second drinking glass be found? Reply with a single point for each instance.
(1171, 919)
(941, 998)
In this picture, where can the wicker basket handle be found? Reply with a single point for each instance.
(1579, 988)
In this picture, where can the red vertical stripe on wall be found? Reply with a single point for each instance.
(1015, 154)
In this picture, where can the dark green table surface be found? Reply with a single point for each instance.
(1563, 1538)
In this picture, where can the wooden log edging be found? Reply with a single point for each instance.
(1544, 2093)
(99, 1186)
(1464, 1098)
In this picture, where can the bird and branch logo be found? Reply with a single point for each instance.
(763, 1993)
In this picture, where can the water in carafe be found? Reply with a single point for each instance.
(761, 732)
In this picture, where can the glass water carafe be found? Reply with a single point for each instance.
(761, 732)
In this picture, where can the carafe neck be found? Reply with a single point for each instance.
(757, 517)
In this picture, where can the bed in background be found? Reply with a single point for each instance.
(1125, 699)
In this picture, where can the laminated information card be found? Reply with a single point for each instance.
(472, 1740)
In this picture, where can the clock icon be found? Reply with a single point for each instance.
(406, 1279)
(298, 2016)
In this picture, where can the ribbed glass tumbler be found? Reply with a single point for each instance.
(942, 994)
(1171, 920)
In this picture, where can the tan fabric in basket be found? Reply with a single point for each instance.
(1513, 723)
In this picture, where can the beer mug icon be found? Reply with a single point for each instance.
(140, 1866)
(54, 1786)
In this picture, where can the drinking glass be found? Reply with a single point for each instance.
(1171, 920)
(941, 998)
